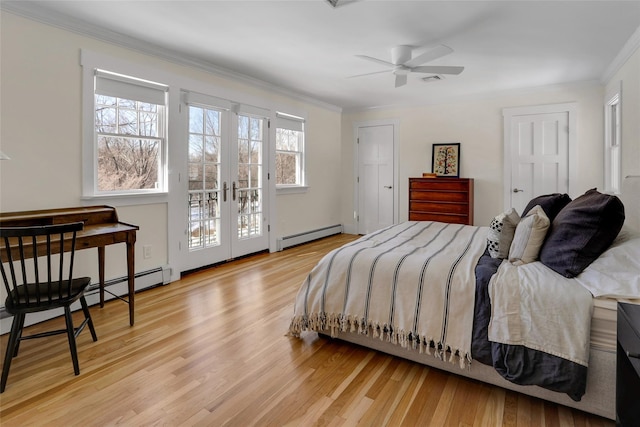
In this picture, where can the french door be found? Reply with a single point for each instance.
(226, 194)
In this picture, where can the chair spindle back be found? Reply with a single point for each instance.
(23, 247)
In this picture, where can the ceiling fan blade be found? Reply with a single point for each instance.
(429, 55)
(437, 69)
(376, 60)
(368, 74)
(401, 80)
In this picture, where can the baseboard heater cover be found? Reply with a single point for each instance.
(308, 236)
(119, 286)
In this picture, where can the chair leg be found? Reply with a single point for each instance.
(72, 340)
(14, 337)
(20, 329)
(87, 315)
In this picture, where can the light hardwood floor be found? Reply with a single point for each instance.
(211, 350)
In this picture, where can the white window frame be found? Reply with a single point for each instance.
(92, 64)
(613, 140)
(291, 121)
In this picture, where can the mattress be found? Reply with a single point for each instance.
(603, 324)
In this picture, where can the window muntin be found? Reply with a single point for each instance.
(289, 151)
(129, 132)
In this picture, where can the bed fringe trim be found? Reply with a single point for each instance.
(322, 322)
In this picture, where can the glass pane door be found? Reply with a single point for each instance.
(226, 186)
(204, 178)
(249, 186)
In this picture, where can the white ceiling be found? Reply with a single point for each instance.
(308, 47)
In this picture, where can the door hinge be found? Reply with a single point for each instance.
(357, 140)
(268, 124)
(268, 176)
(268, 228)
(358, 179)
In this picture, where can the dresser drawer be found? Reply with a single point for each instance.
(439, 184)
(629, 333)
(439, 196)
(628, 365)
(440, 217)
(434, 207)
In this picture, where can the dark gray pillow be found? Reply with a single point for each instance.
(581, 232)
(551, 204)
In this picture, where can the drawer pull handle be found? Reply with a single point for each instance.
(634, 355)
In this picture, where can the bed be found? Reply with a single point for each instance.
(527, 303)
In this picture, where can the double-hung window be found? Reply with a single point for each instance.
(612, 140)
(290, 158)
(129, 135)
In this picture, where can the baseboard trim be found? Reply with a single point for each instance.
(308, 236)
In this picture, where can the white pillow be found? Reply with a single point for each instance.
(529, 237)
(501, 232)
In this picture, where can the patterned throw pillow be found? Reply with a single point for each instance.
(529, 237)
(501, 233)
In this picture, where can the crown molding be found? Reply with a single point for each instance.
(33, 11)
(622, 57)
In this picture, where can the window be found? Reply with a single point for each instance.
(289, 151)
(612, 139)
(129, 135)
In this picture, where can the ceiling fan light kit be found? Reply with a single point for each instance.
(402, 64)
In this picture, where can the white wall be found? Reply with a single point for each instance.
(40, 118)
(41, 129)
(478, 126)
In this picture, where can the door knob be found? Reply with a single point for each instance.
(388, 186)
(516, 190)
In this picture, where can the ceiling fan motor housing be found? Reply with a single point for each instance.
(400, 54)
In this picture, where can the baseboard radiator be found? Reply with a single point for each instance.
(308, 236)
(119, 286)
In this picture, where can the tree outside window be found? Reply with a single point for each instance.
(129, 134)
(289, 151)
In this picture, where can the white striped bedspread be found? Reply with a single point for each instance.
(411, 284)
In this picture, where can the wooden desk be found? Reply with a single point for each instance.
(101, 228)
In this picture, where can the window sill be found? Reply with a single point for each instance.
(126, 199)
(298, 189)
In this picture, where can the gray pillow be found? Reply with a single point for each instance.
(501, 233)
(581, 232)
(529, 237)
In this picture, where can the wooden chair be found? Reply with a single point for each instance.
(36, 281)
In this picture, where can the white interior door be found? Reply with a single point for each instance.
(226, 215)
(376, 177)
(537, 151)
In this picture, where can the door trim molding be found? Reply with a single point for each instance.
(370, 123)
(508, 114)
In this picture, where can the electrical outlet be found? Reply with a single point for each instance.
(146, 251)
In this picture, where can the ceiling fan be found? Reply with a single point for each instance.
(402, 63)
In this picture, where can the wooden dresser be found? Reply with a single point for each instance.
(441, 199)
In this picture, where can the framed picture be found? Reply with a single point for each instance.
(446, 159)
